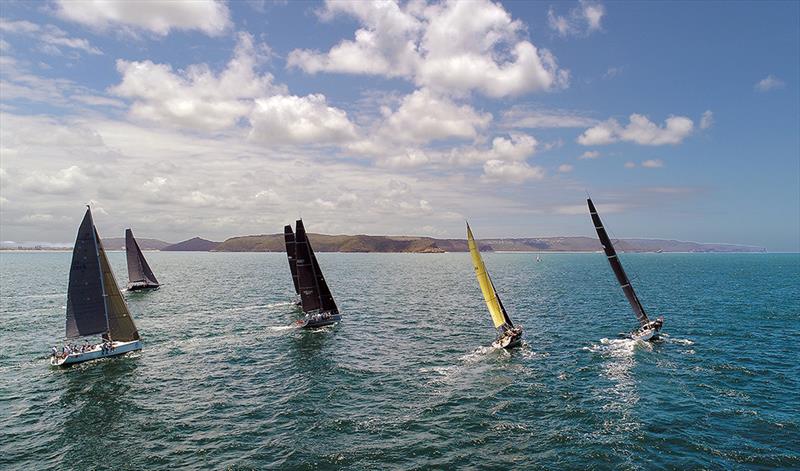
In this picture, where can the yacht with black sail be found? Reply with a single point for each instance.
(95, 305)
(647, 329)
(140, 276)
(508, 335)
(316, 299)
(291, 254)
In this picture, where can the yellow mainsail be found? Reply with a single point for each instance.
(487, 288)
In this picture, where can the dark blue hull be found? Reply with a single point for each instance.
(318, 320)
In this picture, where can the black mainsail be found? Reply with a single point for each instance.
(139, 272)
(616, 265)
(314, 292)
(94, 302)
(291, 253)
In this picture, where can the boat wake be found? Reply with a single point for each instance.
(280, 328)
(618, 347)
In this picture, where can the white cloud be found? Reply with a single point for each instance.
(423, 117)
(196, 98)
(451, 47)
(768, 83)
(585, 19)
(653, 163)
(510, 172)
(589, 154)
(707, 120)
(299, 120)
(565, 168)
(520, 116)
(155, 16)
(67, 180)
(639, 130)
(49, 37)
(630, 164)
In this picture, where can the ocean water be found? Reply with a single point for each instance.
(407, 380)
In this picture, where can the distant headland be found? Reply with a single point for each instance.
(412, 244)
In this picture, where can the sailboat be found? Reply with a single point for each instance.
(291, 253)
(647, 329)
(508, 335)
(315, 296)
(94, 303)
(140, 276)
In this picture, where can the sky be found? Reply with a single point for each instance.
(218, 119)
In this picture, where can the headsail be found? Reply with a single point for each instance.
(138, 269)
(314, 291)
(616, 265)
(291, 253)
(120, 322)
(499, 316)
(86, 306)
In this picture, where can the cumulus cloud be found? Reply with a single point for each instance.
(196, 98)
(424, 116)
(653, 163)
(299, 120)
(64, 181)
(639, 130)
(51, 39)
(155, 16)
(521, 116)
(584, 19)
(510, 172)
(565, 168)
(630, 164)
(589, 154)
(707, 120)
(451, 47)
(768, 83)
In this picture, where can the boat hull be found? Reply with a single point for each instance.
(314, 321)
(141, 286)
(119, 348)
(509, 341)
(648, 331)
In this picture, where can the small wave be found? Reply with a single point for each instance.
(483, 352)
(279, 304)
(280, 328)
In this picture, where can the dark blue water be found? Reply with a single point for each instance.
(406, 381)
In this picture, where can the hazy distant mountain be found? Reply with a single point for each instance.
(365, 243)
(195, 244)
(118, 243)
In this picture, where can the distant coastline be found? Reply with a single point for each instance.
(414, 244)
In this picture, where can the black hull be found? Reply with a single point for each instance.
(312, 323)
(143, 287)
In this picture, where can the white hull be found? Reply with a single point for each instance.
(118, 348)
(648, 331)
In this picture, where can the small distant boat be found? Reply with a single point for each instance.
(538, 258)
(647, 329)
(95, 305)
(508, 336)
(291, 253)
(316, 299)
(140, 276)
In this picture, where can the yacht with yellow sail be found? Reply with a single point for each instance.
(508, 335)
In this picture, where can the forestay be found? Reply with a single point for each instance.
(499, 316)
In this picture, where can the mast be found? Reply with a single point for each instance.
(498, 312)
(616, 265)
(97, 252)
(138, 268)
(291, 253)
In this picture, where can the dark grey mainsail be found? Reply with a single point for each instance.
(94, 302)
(314, 292)
(291, 253)
(139, 271)
(616, 265)
(86, 308)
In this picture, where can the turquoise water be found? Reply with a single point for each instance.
(406, 381)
